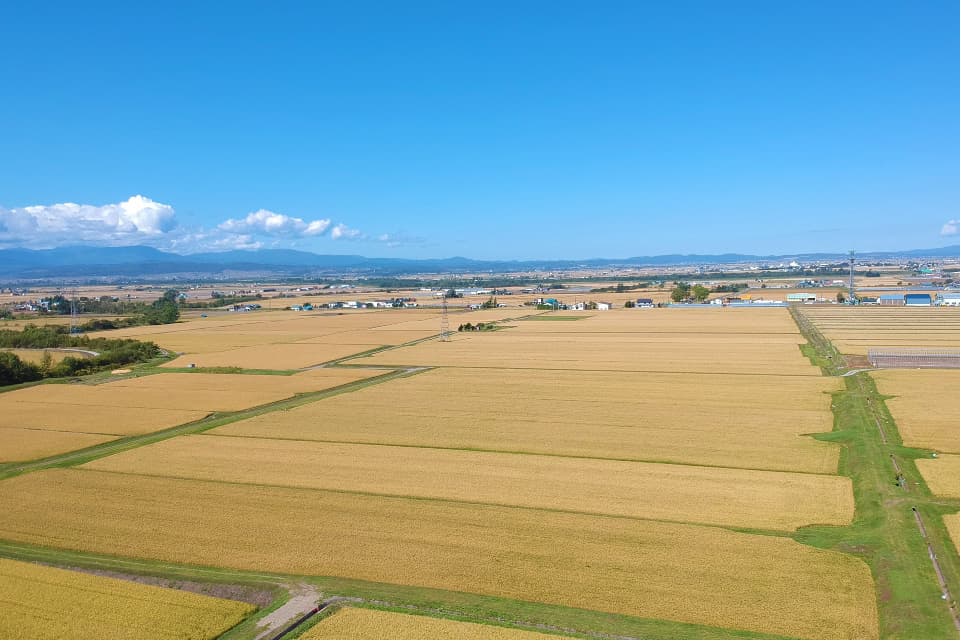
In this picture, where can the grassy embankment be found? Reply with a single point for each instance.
(884, 532)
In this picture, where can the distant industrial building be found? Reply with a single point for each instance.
(801, 297)
(917, 300)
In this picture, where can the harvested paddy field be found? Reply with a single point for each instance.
(924, 406)
(741, 498)
(854, 330)
(360, 623)
(754, 422)
(941, 474)
(42, 602)
(767, 584)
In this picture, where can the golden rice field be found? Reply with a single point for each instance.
(854, 330)
(20, 444)
(925, 406)
(688, 573)
(704, 419)
(273, 356)
(741, 498)
(698, 320)
(941, 474)
(358, 623)
(952, 522)
(45, 420)
(506, 349)
(42, 602)
(36, 356)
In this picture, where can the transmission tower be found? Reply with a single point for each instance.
(74, 313)
(851, 278)
(444, 321)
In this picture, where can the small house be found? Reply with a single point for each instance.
(948, 299)
(604, 306)
(644, 302)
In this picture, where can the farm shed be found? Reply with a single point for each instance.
(604, 306)
(644, 302)
(917, 300)
(891, 300)
(950, 299)
(801, 297)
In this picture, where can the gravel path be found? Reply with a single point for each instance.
(303, 599)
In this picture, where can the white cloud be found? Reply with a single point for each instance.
(268, 223)
(342, 231)
(136, 220)
(140, 220)
(399, 240)
(951, 228)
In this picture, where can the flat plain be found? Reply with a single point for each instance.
(41, 602)
(629, 566)
(651, 463)
(357, 623)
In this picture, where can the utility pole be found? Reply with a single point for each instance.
(851, 279)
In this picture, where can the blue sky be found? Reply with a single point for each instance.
(489, 130)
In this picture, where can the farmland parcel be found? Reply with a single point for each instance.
(48, 603)
(651, 463)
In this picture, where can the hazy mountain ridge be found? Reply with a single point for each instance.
(75, 261)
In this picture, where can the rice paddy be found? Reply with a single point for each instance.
(752, 421)
(941, 474)
(742, 498)
(627, 566)
(855, 330)
(924, 406)
(48, 603)
(357, 623)
(649, 463)
(45, 420)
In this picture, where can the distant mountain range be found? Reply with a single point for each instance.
(92, 262)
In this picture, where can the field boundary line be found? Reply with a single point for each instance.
(215, 419)
(533, 453)
(741, 529)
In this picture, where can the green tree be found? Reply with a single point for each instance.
(700, 293)
(681, 291)
(840, 297)
(13, 370)
(629, 303)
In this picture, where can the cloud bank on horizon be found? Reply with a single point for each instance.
(142, 221)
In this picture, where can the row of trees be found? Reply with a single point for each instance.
(111, 353)
(685, 291)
